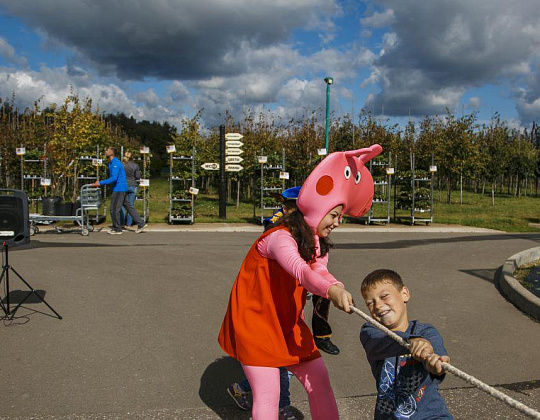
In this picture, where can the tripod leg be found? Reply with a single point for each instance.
(5, 274)
(28, 295)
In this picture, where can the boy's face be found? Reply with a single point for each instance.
(387, 305)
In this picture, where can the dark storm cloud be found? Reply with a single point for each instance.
(168, 39)
(441, 48)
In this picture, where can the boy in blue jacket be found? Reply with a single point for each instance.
(407, 383)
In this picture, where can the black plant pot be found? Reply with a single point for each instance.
(49, 204)
(63, 209)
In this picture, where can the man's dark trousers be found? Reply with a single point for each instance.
(120, 199)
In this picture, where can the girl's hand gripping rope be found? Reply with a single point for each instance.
(340, 298)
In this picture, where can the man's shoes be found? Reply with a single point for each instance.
(141, 228)
(285, 413)
(114, 232)
(239, 396)
(326, 345)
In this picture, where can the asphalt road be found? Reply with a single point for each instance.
(141, 314)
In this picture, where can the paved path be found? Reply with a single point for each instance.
(142, 313)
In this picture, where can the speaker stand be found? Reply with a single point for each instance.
(6, 268)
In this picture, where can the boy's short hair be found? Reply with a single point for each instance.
(113, 149)
(379, 276)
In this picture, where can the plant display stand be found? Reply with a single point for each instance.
(382, 184)
(270, 184)
(33, 170)
(416, 194)
(181, 178)
(143, 191)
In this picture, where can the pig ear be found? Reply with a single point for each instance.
(365, 154)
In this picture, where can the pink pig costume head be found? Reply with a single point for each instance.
(341, 178)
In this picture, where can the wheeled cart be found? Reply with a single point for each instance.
(91, 200)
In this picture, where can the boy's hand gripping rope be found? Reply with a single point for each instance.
(533, 414)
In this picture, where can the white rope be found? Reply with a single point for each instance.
(533, 414)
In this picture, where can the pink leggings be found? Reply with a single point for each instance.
(313, 375)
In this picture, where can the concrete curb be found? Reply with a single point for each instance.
(512, 289)
(246, 227)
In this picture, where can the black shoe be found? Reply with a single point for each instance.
(326, 345)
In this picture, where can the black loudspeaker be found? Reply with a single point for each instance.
(14, 217)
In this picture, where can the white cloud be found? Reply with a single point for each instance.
(439, 49)
(171, 39)
(379, 19)
(8, 52)
(475, 102)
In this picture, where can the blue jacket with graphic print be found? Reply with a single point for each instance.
(405, 389)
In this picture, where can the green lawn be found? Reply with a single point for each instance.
(509, 213)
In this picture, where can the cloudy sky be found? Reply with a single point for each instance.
(166, 59)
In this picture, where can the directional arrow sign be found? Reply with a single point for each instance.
(210, 166)
(233, 168)
(233, 159)
(234, 143)
(233, 136)
(233, 152)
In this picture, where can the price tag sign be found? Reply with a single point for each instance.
(21, 151)
(262, 159)
(45, 182)
(193, 190)
(144, 182)
(390, 171)
(322, 152)
(433, 168)
(97, 162)
(283, 175)
(171, 149)
(144, 149)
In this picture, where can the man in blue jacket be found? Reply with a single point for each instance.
(119, 199)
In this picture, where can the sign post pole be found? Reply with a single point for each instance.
(222, 175)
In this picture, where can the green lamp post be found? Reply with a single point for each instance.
(329, 81)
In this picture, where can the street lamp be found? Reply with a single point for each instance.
(329, 81)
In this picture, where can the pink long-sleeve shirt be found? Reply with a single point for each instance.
(281, 246)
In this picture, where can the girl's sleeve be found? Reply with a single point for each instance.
(281, 246)
(321, 267)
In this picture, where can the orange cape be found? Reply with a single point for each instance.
(264, 324)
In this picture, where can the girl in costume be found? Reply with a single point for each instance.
(264, 327)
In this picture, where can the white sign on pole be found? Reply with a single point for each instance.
(171, 148)
(234, 143)
(97, 162)
(144, 149)
(233, 152)
(20, 151)
(322, 152)
(193, 190)
(262, 159)
(433, 168)
(210, 166)
(390, 171)
(233, 168)
(233, 136)
(144, 182)
(233, 159)
(283, 175)
(45, 182)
